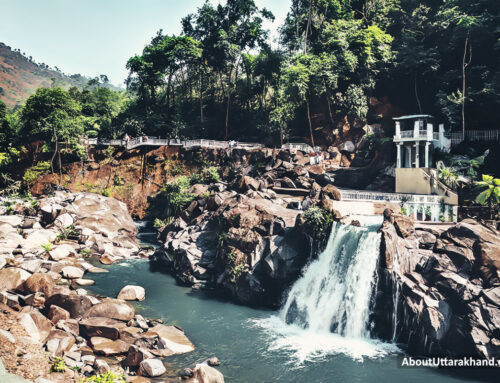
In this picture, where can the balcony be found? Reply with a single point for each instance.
(416, 135)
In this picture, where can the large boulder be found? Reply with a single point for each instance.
(173, 338)
(136, 355)
(101, 327)
(59, 342)
(36, 325)
(113, 309)
(12, 278)
(76, 305)
(57, 314)
(151, 368)
(72, 272)
(331, 192)
(39, 283)
(248, 183)
(132, 293)
(203, 373)
(108, 347)
(61, 252)
(106, 216)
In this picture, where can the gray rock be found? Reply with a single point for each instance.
(151, 368)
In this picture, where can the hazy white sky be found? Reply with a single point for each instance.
(93, 37)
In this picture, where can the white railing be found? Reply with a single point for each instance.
(474, 135)
(422, 133)
(353, 195)
(406, 134)
(297, 146)
(249, 145)
(153, 141)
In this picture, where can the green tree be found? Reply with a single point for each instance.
(226, 32)
(52, 115)
(7, 131)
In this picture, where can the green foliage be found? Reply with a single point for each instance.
(318, 222)
(160, 223)
(403, 210)
(490, 194)
(220, 78)
(51, 115)
(205, 176)
(221, 238)
(66, 232)
(237, 271)
(107, 192)
(428, 211)
(108, 377)
(31, 174)
(117, 181)
(47, 246)
(176, 195)
(447, 175)
(85, 252)
(58, 365)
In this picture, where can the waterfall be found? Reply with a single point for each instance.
(327, 310)
(335, 291)
(395, 296)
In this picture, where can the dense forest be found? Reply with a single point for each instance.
(223, 78)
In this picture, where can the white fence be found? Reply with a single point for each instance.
(354, 195)
(154, 141)
(298, 146)
(474, 135)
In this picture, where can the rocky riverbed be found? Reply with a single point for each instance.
(439, 289)
(49, 322)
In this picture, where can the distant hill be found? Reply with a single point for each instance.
(21, 76)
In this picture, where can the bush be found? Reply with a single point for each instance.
(159, 223)
(106, 192)
(85, 252)
(177, 195)
(318, 222)
(205, 176)
(117, 181)
(58, 365)
(47, 246)
(108, 377)
(31, 174)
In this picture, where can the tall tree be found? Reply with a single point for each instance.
(51, 115)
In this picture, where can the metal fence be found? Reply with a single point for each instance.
(474, 135)
(153, 141)
(353, 195)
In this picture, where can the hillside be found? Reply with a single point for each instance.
(20, 76)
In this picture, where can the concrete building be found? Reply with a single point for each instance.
(416, 138)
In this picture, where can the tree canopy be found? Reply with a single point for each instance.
(222, 77)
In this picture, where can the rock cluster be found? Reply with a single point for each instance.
(245, 236)
(41, 271)
(446, 285)
(102, 226)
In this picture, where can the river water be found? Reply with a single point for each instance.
(258, 345)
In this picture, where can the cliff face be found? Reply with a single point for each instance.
(129, 176)
(439, 291)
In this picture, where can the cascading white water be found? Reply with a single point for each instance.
(327, 309)
(335, 291)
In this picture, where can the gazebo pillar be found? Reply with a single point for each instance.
(398, 163)
(417, 155)
(427, 144)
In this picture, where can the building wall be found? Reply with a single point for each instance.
(417, 181)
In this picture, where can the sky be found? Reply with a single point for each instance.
(94, 37)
